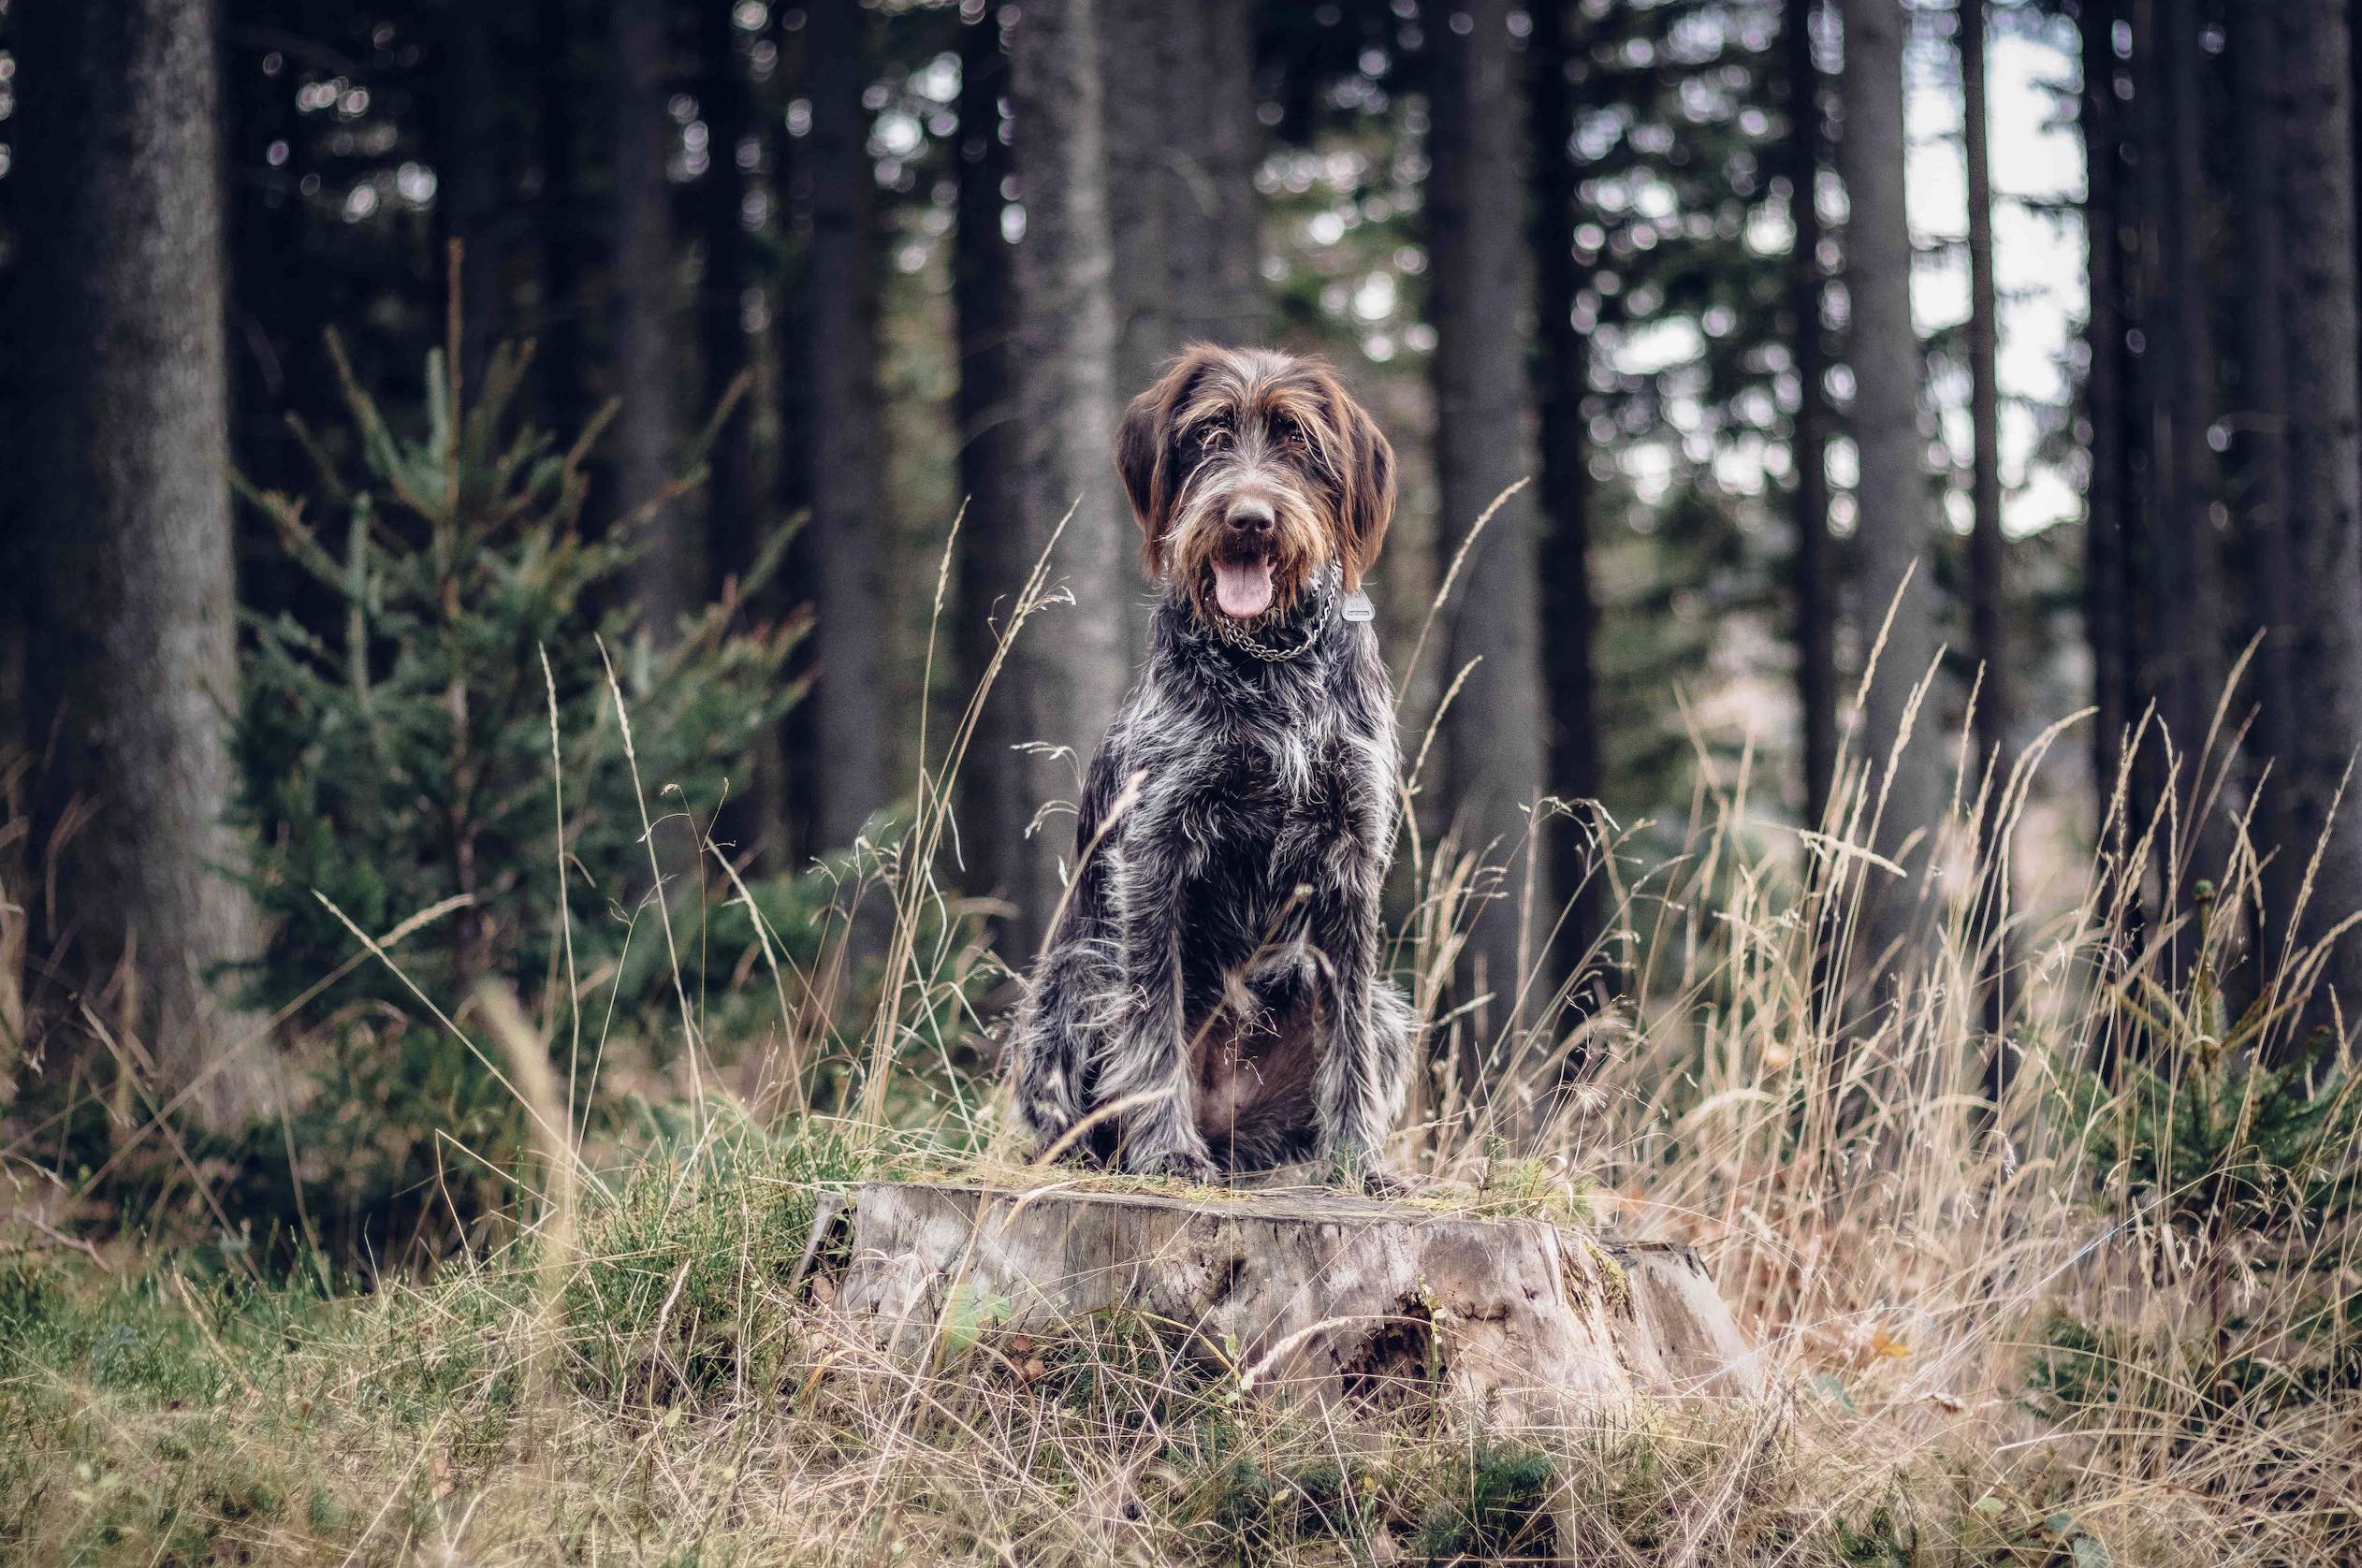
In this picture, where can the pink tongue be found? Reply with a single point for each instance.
(1243, 587)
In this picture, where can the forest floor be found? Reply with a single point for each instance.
(637, 1381)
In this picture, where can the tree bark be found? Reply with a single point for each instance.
(731, 515)
(2107, 628)
(1492, 735)
(1815, 596)
(2188, 669)
(2324, 468)
(560, 353)
(1068, 671)
(644, 313)
(2262, 425)
(1988, 586)
(131, 657)
(1988, 580)
(1182, 146)
(474, 203)
(788, 770)
(1568, 613)
(991, 563)
(1894, 531)
(848, 451)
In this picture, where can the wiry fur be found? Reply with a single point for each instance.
(1216, 964)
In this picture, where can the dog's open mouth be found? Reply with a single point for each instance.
(1242, 585)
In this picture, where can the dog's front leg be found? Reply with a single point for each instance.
(1364, 1043)
(1145, 1065)
(1358, 1083)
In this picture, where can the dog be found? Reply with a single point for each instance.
(1210, 998)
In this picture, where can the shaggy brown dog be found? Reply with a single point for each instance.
(1211, 990)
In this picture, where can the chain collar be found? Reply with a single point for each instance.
(1241, 637)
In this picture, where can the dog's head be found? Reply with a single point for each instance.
(1249, 471)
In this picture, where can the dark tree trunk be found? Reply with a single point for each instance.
(1895, 534)
(2324, 468)
(2183, 669)
(2262, 452)
(1494, 763)
(731, 514)
(2107, 629)
(1988, 586)
(131, 668)
(788, 773)
(644, 313)
(1815, 596)
(848, 522)
(1569, 614)
(560, 360)
(2148, 346)
(473, 202)
(1069, 668)
(1988, 582)
(990, 563)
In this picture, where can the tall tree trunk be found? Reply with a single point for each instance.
(2325, 467)
(1211, 147)
(2262, 424)
(731, 514)
(1815, 597)
(1988, 588)
(472, 203)
(848, 449)
(788, 770)
(990, 563)
(643, 310)
(2107, 630)
(1068, 671)
(1894, 534)
(1493, 764)
(562, 374)
(1988, 582)
(131, 647)
(1182, 145)
(2189, 633)
(1567, 611)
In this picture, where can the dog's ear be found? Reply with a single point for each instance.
(1365, 483)
(1143, 455)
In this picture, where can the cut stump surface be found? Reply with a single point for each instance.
(1306, 1291)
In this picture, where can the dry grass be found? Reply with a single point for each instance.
(622, 1372)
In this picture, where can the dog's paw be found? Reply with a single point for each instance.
(1178, 1165)
(1370, 1177)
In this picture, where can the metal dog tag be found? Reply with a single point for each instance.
(1358, 606)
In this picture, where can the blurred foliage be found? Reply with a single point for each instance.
(2244, 1179)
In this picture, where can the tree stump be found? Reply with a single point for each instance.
(1301, 1292)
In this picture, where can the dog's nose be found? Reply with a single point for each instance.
(1252, 516)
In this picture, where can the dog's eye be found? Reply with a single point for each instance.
(1215, 437)
(1289, 434)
